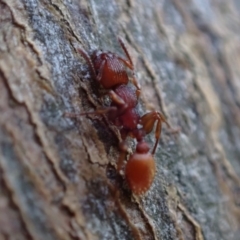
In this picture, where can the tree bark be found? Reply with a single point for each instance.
(58, 175)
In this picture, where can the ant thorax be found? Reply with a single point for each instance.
(128, 94)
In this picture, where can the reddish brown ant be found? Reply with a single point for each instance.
(114, 74)
(109, 69)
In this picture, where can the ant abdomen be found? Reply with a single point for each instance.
(140, 169)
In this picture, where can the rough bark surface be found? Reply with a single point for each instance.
(57, 175)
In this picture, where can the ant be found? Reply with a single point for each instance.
(116, 75)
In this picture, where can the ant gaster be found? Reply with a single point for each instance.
(116, 75)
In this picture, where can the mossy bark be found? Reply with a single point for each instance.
(58, 176)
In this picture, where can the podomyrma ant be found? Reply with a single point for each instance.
(116, 75)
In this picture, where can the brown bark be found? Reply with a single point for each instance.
(58, 178)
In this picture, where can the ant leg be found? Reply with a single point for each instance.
(157, 135)
(124, 133)
(100, 111)
(126, 52)
(159, 128)
(123, 153)
(115, 98)
(119, 101)
(89, 61)
(136, 84)
(99, 76)
(148, 120)
(87, 58)
(116, 111)
(129, 64)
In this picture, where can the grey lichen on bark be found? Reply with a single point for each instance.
(58, 176)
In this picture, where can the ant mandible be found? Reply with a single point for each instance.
(116, 75)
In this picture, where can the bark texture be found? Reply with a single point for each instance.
(57, 175)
